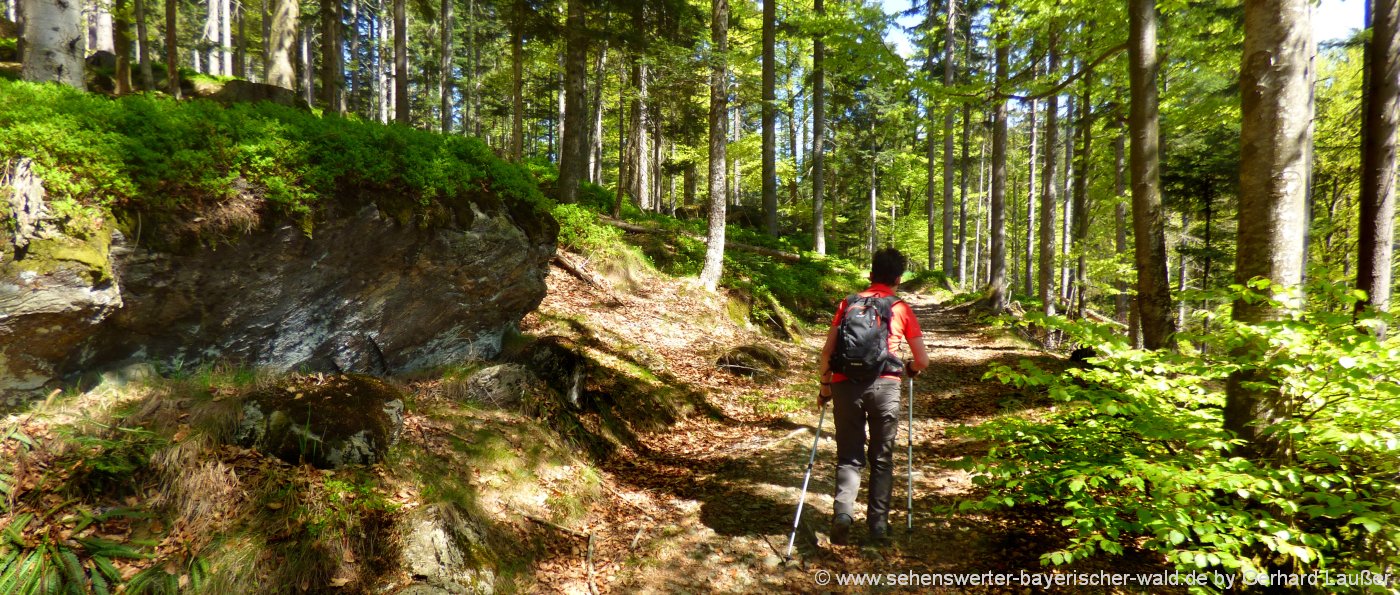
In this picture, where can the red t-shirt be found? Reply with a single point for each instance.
(904, 326)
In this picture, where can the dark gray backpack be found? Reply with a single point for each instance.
(863, 337)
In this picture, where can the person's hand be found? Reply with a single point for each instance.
(909, 368)
(824, 395)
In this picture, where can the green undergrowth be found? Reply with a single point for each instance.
(1135, 454)
(198, 159)
(138, 487)
(778, 295)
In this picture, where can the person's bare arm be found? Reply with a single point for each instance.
(920, 353)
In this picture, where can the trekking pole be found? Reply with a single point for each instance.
(909, 517)
(803, 499)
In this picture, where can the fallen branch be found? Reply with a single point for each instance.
(563, 262)
(769, 252)
(592, 586)
(551, 525)
(1101, 319)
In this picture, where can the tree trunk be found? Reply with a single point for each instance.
(1181, 269)
(1029, 254)
(639, 168)
(1120, 212)
(307, 67)
(1049, 190)
(949, 65)
(121, 44)
(572, 160)
(719, 99)
(688, 184)
(143, 48)
(210, 38)
(353, 97)
(381, 67)
(768, 115)
(873, 231)
(818, 137)
(53, 37)
(1081, 190)
(1276, 81)
(793, 147)
(1149, 239)
(622, 175)
(1380, 102)
(595, 136)
(330, 55)
(445, 75)
(996, 297)
(172, 52)
(517, 60)
(101, 32)
(1067, 206)
(281, 44)
(962, 196)
(226, 37)
(402, 103)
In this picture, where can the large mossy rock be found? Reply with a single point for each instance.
(56, 284)
(328, 421)
(365, 287)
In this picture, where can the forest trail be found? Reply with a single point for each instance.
(707, 505)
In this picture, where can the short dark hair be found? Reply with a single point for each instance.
(887, 266)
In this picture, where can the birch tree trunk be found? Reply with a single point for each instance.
(1149, 236)
(1276, 81)
(719, 100)
(53, 37)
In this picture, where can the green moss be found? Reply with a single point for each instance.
(165, 166)
(89, 253)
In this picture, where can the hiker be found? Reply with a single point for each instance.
(862, 376)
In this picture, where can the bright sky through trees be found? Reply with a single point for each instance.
(1332, 19)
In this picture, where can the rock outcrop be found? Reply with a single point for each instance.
(327, 421)
(359, 291)
(56, 284)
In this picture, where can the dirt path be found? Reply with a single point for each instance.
(707, 505)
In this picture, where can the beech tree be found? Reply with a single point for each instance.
(719, 135)
(1381, 107)
(1276, 82)
(53, 37)
(1149, 226)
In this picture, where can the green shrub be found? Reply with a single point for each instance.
(1136, 450)
(148, 153)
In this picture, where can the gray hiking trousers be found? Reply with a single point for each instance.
(862, 405)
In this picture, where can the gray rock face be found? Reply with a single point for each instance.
(444, 554)
(364, 294)
(327, 421)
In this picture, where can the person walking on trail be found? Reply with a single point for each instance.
(861, 373)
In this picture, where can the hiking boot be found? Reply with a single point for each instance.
(841, 529)
(879, 533)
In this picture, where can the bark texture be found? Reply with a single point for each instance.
(1149, 236)
(1379, 104)
(1276, 82)
(53, 38)
(719, 102)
